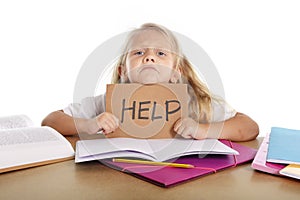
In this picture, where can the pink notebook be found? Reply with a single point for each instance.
(170, 176)
(260, 161)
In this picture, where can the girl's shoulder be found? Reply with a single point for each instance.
(93, 99)
(88, 107)
(221, 110)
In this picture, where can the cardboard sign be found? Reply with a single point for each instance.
(146, 111)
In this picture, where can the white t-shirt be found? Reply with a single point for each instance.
(90, 107)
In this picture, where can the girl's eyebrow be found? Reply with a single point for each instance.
(165, 50)
(152, 48)
(136, 49)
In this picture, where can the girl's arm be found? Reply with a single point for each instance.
(239, 128)
(68, 125)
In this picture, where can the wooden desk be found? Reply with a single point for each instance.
(92, 180)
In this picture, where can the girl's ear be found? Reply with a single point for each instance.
(176, 76)
(122, 73)
(120, 69)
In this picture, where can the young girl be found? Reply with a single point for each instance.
(152, 55)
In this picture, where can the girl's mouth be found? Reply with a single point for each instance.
(147, 67)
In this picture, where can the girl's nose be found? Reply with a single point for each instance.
(149, 58)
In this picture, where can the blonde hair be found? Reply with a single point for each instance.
(200, 102)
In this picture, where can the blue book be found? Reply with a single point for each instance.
(284, 146)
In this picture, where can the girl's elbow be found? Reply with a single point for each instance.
(46, 121)
(255, 131)
(50, 119)
(250, 130)
(251, 133)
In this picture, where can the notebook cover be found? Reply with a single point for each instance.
(260, 161)
(284, 146)
(291, 170)
(170, 176)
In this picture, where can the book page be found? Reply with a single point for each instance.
(166, 149)
(26, 135)
(114, 147)
(15, 121)
(32, 144)
(156, 149)
(115, 154)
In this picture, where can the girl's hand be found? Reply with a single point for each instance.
(188, 128)
(107, 122)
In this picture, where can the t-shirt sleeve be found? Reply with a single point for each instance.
(221, 110)
(88, 108)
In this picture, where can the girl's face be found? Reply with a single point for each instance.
(150, 59)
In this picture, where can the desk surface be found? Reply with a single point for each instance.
(92, 180)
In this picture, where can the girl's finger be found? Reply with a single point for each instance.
(180, 130)
(177, 125)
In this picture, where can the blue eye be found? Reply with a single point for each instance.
(139, 53)
(161, 53)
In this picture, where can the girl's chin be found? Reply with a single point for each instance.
(148, 82)
(149, 79)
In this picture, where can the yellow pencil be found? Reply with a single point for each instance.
(145, 162)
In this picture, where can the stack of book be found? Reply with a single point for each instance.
(279, 153)
(146, 158)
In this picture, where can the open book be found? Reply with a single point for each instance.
(22, 145)
(149, 149)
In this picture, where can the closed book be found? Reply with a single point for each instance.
(284, 146)
(292, 171)
(260, 161)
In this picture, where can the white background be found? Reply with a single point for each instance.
(255, 46)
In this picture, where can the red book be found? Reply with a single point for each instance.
(170, 176)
